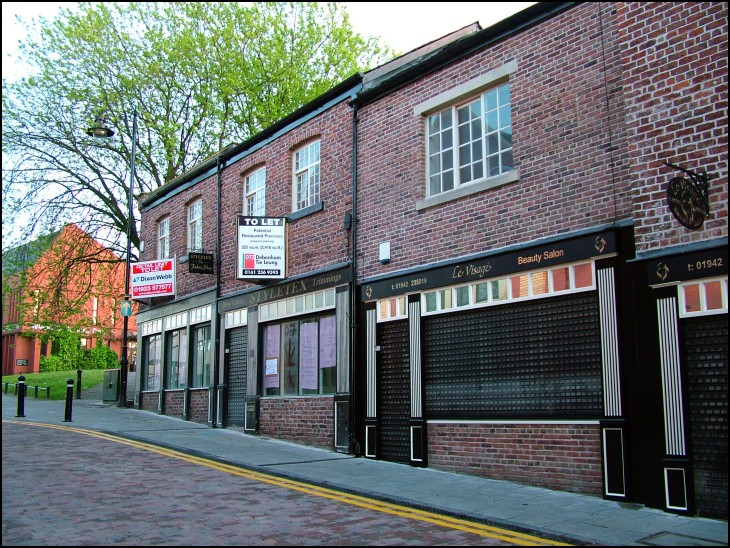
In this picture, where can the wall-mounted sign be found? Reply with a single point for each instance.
(21, 363)
(261, 248)
(200, 263)
(153, 279)
(687, 197)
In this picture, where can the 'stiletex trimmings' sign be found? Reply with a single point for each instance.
(153, 279)
(261, 248)
(200, 263)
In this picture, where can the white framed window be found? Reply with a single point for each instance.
(301, 304)
(391, 309)
(163, 238)
(254, 193)
(306, 176)
(703, 297)
(536, 284)
(469, 141)
(195, 226)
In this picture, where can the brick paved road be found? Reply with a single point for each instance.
(62, 487)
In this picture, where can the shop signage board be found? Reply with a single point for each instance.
(153, 279)
(261, 248)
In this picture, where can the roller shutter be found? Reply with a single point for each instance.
(706, 352)
(393, 391)
(539, 358)
(236, 360)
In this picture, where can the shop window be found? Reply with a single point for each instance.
(392, 309)
(300, 357)
(176, 359)
(200, 362)
(152, 351)
(704, 297)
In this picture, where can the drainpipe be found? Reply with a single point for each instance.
(216, 316)
(355, 446)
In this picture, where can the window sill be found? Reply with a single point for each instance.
(468, 190)
(305, 212)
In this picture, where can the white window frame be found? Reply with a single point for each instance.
(306, 183)
(703, 310)
(254, 193)
(195, 225)
(163, 238)
(454, 97)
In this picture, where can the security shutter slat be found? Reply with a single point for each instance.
(237, 344)
(706, 352)
(394, 391)
(536, 358)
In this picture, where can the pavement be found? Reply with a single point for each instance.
(577, 519)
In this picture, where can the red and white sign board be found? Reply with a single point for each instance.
(153, 279)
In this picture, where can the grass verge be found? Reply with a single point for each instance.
(57, 381)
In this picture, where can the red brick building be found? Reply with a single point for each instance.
(65, 278)
(501, 259)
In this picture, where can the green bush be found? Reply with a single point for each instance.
(69, 355)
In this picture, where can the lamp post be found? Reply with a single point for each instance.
(103, 132)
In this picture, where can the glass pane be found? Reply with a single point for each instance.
(692, 298)
(504, 94)
(462, 115)
(713, 295)
(462, 296)
(507, 161)
(583, 275)
(434, 124)
(499, 289)
(447, 139)
(490, 99)
(492, 143)
(492, 121)
(448, 180)
(430, 301)
(434, 186)
(561, 279)
(329, 297)
(505, 138)
(540, 283)
(520, 287)
(319, 299)
(505, 116)
(481, 291)
(434, 164)
(446, 119)
(445, 299)
(290, 358)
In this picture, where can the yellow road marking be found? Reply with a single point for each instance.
(347, 498)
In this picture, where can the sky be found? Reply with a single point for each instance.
(403, 26)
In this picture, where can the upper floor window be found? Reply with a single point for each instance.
(306, 176)
(470, 141)
(254, 193)
(195, 226)
(163, 239)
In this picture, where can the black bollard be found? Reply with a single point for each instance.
(78, 384)
(69, 399)
(21, 396)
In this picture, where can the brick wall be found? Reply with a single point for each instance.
(563, 457)
(174, 401)
(568, 139)
(198, 407)
(309, 421)
(149, 401)
(675, 75)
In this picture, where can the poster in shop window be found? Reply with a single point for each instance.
(261, 248)
(308, 370)
(327, 342)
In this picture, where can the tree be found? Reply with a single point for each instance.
(199, 75)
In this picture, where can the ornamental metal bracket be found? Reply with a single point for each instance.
(688, 197)
(701, 181)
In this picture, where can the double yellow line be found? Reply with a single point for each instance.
(355, 500)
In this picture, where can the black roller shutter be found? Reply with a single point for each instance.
(706, 352)
(236, 358)
(394, 391)
(532, 359)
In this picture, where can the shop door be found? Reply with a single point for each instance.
(236, 360)
(706, 350)
(394, 393)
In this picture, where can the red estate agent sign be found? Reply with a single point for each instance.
(153, 279)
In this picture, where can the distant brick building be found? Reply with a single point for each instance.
(65, 278)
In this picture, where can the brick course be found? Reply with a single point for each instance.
(566, 457)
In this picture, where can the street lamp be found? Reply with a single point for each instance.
(102, 132)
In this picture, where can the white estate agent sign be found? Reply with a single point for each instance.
(153, 279)
(261, 247)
